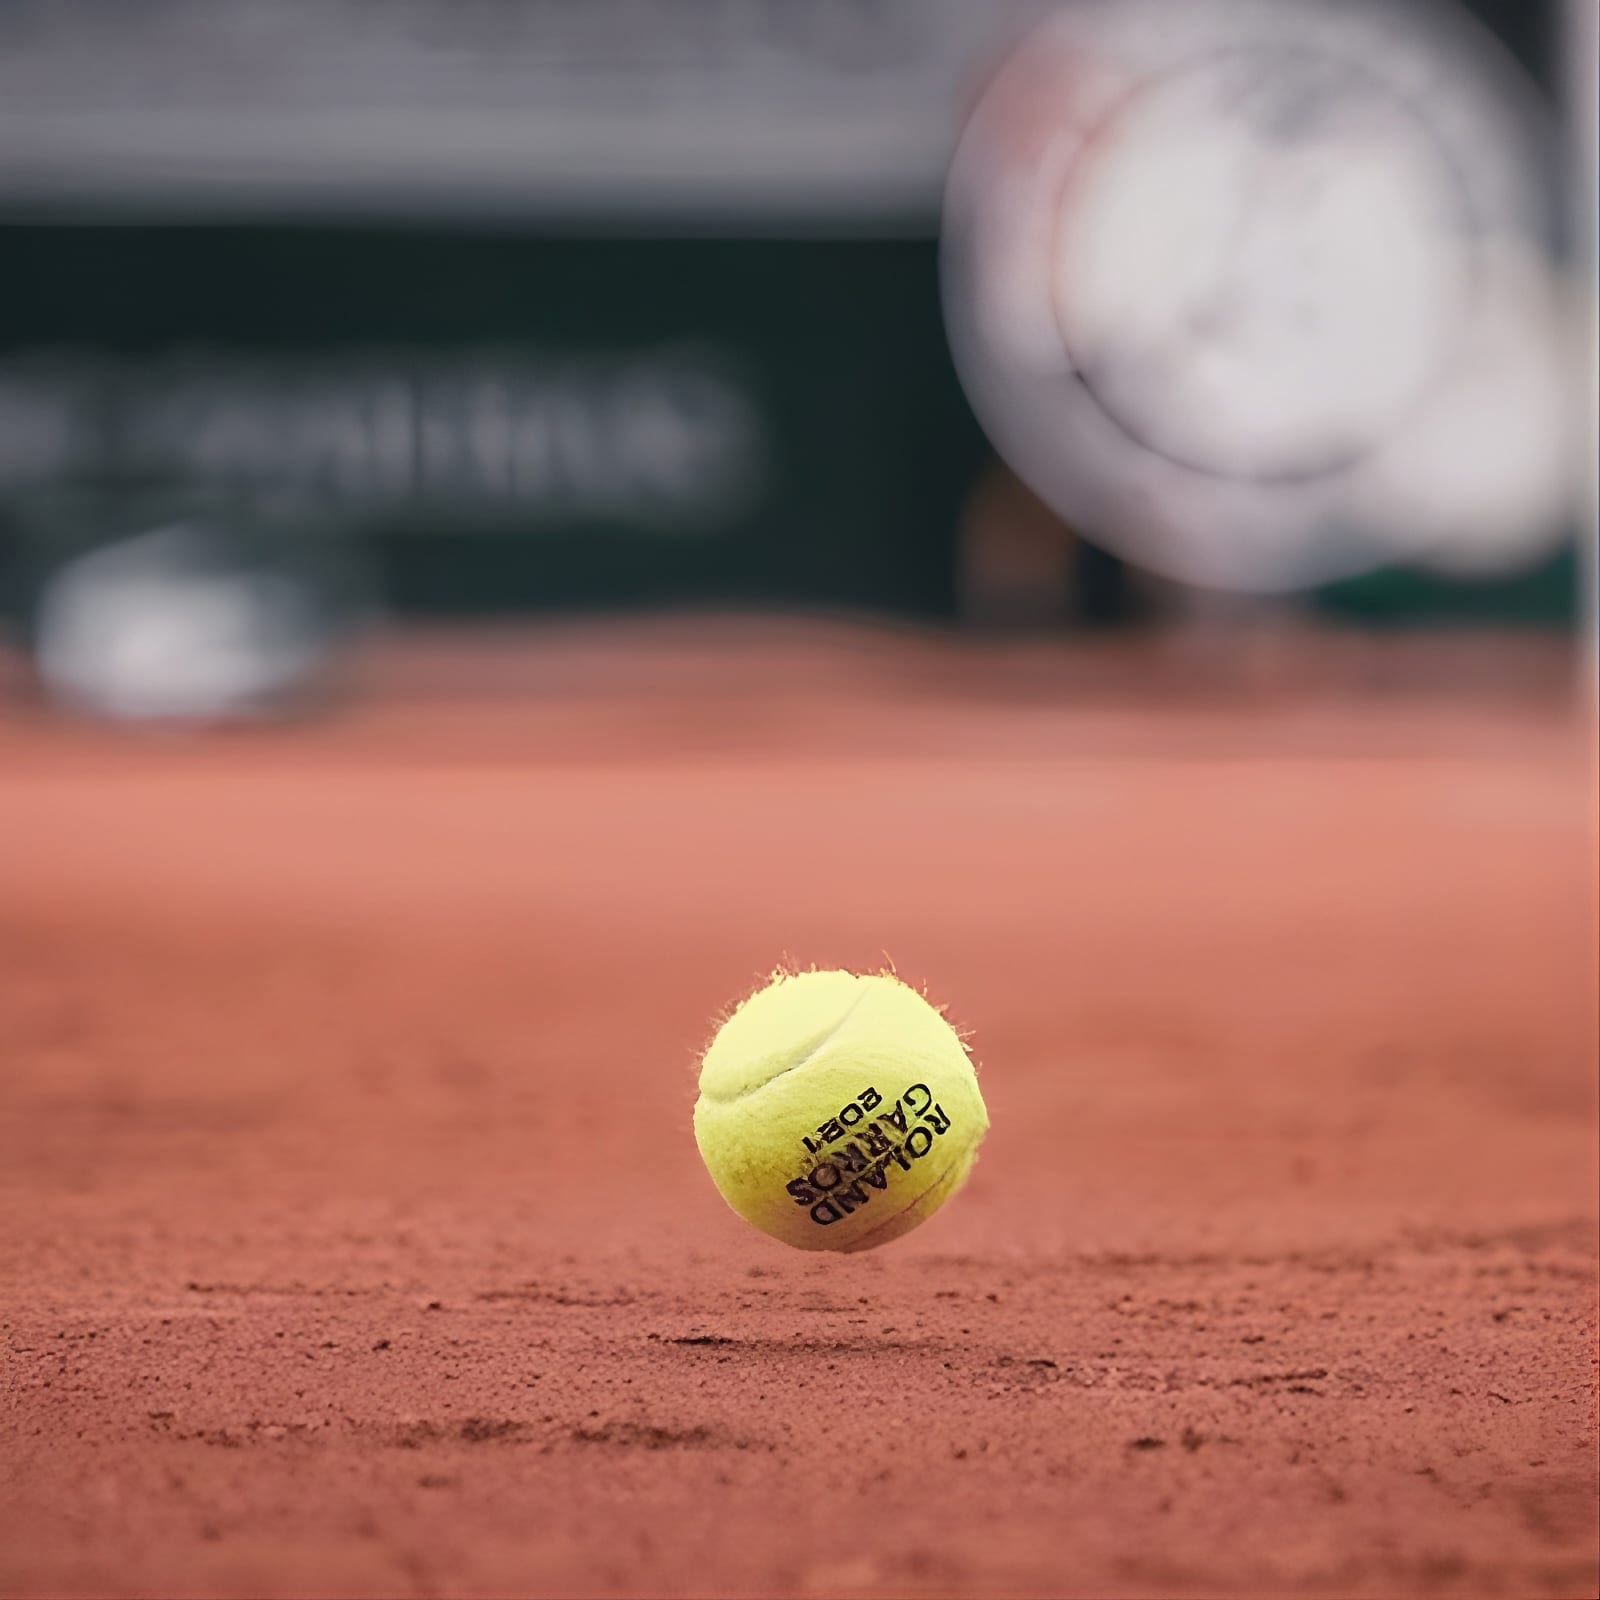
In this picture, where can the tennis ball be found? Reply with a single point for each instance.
(837, 1110)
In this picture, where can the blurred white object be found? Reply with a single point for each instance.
(1258, 293)
(1476, 473)
(1207, 258)
(165, 626)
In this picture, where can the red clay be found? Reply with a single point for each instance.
(355, 1239)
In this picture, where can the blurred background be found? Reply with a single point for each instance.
(519, 516)
(1013, 317)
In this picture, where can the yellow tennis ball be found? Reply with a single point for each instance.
(837, 1110)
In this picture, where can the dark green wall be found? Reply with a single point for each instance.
(836, 348)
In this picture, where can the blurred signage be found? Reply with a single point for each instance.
(730, 108)
(656, 436)
(486, 419)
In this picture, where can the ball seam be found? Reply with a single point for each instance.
(794, 1066)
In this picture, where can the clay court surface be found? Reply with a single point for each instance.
(355, 1241)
